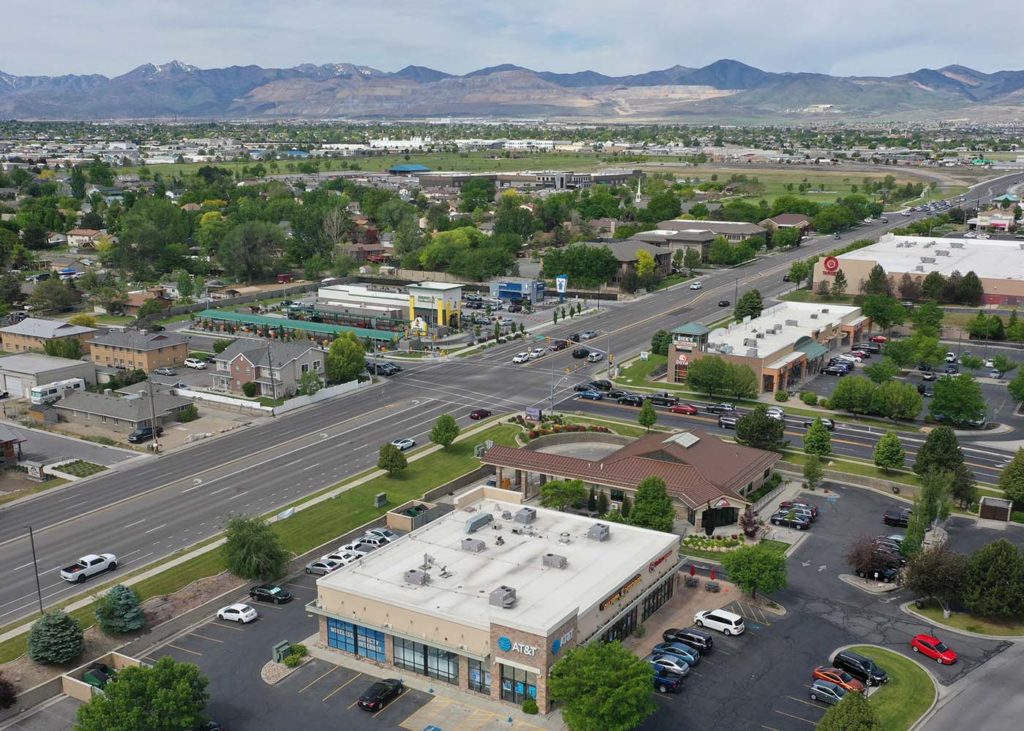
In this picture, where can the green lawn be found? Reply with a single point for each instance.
(638, 371)
(36, 488)
(906, 697)
(81, 468)
(624, 428)
(314, 526)
(716, 556)
(671, 280)
(114, 319)
(970, 623)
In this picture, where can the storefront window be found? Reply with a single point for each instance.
(425, 660)
(653, 601)
(621, 629)
(479, 677)
(358, 640)
(517, 685)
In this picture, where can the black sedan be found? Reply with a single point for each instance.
(632, 399)
(478, 414)
(790, 519)
(580, 353)
(380, 694)
(898, 518)
(724, 303)
(270, 593)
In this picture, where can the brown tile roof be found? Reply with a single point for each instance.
(789, 219)
(695, 475)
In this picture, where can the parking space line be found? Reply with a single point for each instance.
(275, 607)
(211, 639)
(300, 586)
(224, 625)
(798, 718)
(358, 675)
(801, 700)
(770, 728)
(191, 652)
(313, 682)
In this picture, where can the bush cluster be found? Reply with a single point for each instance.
(543, 431)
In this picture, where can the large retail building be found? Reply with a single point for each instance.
(999, 263)
(490, 595)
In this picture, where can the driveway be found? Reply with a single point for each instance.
(45, 447)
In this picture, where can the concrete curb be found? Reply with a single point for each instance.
(858, 583)
(905, 607)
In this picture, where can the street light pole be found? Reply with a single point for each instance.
(35, 569)
(736, 295)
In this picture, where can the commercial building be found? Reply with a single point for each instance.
(488, 597)
(20, 373)
(275, 367)
(121, 414)
(141, 349)
(733, 231)
(786, 344)
(999, 264)
(231, 323)
(418, 306)
(33, 333)
(706, 477)
(627, 253)
(518, 288)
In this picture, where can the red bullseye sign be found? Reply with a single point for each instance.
(830, 265)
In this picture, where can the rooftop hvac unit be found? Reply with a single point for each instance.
(728, 348)
(814, 315)
(504, 597)
(555, 561)
(919, 268)
(941, 252)
(792, 323)
(928, 259)
(824, 310)
(960, 245)
(760, 336)
(599, 532)
(506, 515)
(749, 342)
(478, 521)
(776, 328)
(526, 515)
(751, 353)
(417, 577)
(473, 545)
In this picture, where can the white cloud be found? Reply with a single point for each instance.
(614, 37)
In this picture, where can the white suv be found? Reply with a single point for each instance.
(199, 365)
(718, 619)
(697, 285)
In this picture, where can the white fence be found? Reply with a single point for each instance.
(289, 405)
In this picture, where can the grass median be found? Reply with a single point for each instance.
(308, 528)
(970, 623)
(907, 696)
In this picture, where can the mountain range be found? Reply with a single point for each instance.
(723, 90)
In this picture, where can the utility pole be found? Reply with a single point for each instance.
(152, 419)
(270, 365)
(35, 569)
(736, 296)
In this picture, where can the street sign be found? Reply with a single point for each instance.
(561, 284)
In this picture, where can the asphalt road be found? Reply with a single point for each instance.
(147, 512)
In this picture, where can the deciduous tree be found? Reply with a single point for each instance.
(995, 580)
(882, 370)
(799, 270)
(817, 440)
(168, 696)
(939, 573)
(346, 359)
(445, 430)
(877, 283)
(1011, 481)
(756, 568)
(750, 305)
(660, 342)
(958, 399)
(562, 494)
(940, 451)
(652, 507)
(757, 429)
(853, 713)
(602, 687)
(391, 459)
(964, 489)
(647, 417)
(252, 550)
(813, 471)
(926, 318)
(885, 311)
(889, 454)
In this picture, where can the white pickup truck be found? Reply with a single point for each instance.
(88, 566)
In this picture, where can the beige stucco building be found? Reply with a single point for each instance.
(488, 597)
(788, 343)
(33, 333)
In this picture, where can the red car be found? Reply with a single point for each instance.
(840, 677)
(688, 409)
(934, 648)
(479, 414)
(878, 339)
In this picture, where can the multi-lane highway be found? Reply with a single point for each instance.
(147, 511)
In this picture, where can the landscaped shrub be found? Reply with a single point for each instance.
(530, 707)
(782, 395)
(249, 389)
(292, 661)
(809, 398)
(825, 403)
(7, 693)
(300, 650)
(189, 413)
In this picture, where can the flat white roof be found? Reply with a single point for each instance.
(777, 329)
(436, 285)
(544, 595)
(988, 258)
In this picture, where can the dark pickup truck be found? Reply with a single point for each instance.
(899, 518)
(663, 399)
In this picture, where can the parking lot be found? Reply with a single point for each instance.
(761, 679)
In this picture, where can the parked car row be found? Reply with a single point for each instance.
(682, 649)
(850, 672)
(798, 515)
(348, 553)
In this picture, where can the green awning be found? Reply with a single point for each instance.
(812, 349)
(691, 328)
(317, 328)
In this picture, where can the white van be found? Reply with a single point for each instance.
(718, 619)
(50, 392)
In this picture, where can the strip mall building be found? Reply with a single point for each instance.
(490, 595)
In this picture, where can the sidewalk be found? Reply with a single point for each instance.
(450, 705)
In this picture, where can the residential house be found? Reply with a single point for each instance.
(246, 361)
(80, 239)
(133, 349)
(121, 414)
(628, 251)
(33, 333)
(797, 221)
(140, 297)
(733, 231)
(56, 238)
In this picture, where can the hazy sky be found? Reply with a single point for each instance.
(843, 37)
